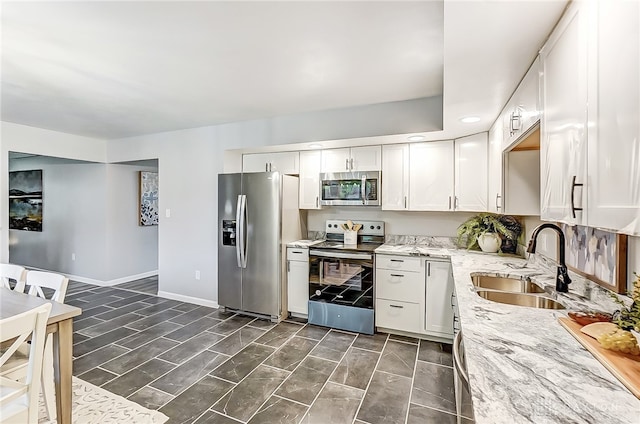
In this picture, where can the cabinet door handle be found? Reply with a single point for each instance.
(397, 275)
(573, 192)
(451, 299)
(266, 167)
(317, 201)
(449, 202)
(351, 164)
(346, 164)
(455, 202)
(289, 265)
(397, 306)
(498, 197)
(405, 202)
(428, 269)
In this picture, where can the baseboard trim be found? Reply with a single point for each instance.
(103, 283)
(188, 299)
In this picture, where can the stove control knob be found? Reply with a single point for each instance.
(371, 227)
(318, 292)
(378, 227)
(335, 225)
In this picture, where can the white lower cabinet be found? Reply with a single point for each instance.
(414, 295)
(439, 302)
(298, 280)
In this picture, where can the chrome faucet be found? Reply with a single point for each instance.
(562, 275)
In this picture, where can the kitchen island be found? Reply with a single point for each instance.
(523, 366)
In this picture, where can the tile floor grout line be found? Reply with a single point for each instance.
(439, 410)
(413, 377)
(366, 390)
(290, 400)
(292, 371)
(435, 363)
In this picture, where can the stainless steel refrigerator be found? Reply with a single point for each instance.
(257, 216)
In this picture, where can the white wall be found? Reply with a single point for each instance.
(444, 224)
(74, 220)
(132, 250)
(91, 211)
(190, 160)
(21, 138)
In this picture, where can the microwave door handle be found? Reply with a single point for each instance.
(239, 233)
(363, 190)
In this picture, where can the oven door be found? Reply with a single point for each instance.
(350, 188)
(341, 278)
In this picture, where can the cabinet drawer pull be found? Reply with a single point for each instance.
(573, 191)
(397, 306)
(297, 252)
(346, 164)
(396, 260)
(498, 197)
(397, 275)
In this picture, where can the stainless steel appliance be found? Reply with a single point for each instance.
(258, 215)
(350, 188)
(342, 278)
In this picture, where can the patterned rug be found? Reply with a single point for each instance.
(93, 405)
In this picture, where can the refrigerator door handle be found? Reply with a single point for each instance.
(243, 228)
(239, 232)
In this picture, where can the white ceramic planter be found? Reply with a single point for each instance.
(489, 242)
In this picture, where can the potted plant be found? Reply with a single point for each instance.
(490, 232)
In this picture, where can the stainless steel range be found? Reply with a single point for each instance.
(342, 278)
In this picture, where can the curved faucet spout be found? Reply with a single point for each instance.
(562, 275)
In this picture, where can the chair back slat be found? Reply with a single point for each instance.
(36, 280)
(12, 272)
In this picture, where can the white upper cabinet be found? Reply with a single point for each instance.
(563, 140)
(310, 179)
(284, 162)
(395, 180)
(523, 109)
(494, 179)
(367, 158)
(614, 118)
(471, 173)
(431, 176)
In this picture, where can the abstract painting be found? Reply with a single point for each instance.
(597, 255)
(148, 198)
(25, 200)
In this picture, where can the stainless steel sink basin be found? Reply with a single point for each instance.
(520, 299)
(505, 284)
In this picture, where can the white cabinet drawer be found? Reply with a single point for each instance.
(298, 254)
(401, 316)
(399, 285)
(405, 263)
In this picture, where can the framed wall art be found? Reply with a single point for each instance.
(600, 256)
(148, 206)
(25, 200)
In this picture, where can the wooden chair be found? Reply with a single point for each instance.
(12, 272)
(19, 399)
(17, 368)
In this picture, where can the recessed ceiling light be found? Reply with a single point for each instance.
(416, 138)
(470, 119)
(315, 146)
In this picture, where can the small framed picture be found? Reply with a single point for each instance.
(148, 205)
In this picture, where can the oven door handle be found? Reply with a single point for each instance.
(340, 255)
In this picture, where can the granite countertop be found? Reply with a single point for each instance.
(304, 243)
(523, 366)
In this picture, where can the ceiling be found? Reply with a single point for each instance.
(118, 69)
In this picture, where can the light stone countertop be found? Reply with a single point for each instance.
(523, 366)
(304, 243)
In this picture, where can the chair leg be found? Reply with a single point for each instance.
(48, 384)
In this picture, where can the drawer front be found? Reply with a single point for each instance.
(399, 285)
(405, 263)
(297, 254)
(401, 316)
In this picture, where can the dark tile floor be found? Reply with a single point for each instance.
(201, 365)
(146, 285)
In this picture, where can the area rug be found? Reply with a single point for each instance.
(93, 405)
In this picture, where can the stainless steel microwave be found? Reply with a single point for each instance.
(350, 188)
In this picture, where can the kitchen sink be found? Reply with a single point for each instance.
(520, 299)
(505, 284)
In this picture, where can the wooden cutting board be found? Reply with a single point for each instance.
(625, 367)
